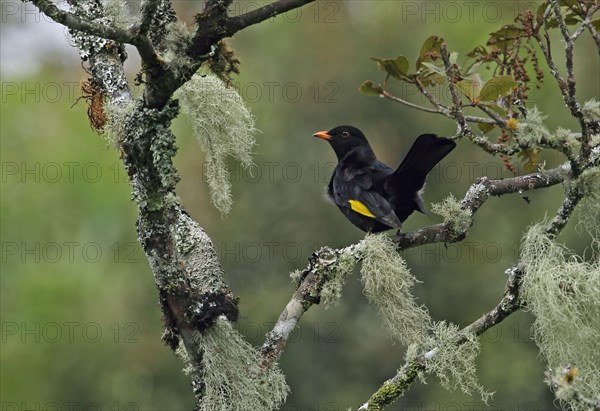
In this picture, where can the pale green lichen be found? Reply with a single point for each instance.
(455, 217)
(147, 132)
(116, 11)
(563, 292)
(116, 118)
(567, 138)
(296, 276)
(454, 364)
(531, 130)
(223, 126)
(232, 378)
(176, 43)
(336, 277)
(591, 110)
(93, 11)
(589, 209)
(388, 284)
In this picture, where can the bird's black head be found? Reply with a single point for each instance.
(345, 139)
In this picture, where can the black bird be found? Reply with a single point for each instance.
(372, 195)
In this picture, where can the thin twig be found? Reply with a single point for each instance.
(568, 89)
(586, 22)
(595, 35)
(457, 108)
(498, 119)
(458, 115)
(445, 113)
(263, 13)
(435, 102)
(389, 96)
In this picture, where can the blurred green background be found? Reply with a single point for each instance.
(80, 323)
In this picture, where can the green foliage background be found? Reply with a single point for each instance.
(339, 355)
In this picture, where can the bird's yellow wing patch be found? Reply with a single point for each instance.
(360, 208)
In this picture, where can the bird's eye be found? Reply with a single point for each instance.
(345, 134)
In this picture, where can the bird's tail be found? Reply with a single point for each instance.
(425, 153)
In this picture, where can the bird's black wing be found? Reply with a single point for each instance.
(354, 189)
(403, 185)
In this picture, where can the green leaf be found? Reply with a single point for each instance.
(495, 107)
(479, 51)
(471, 87)
(486, 128)
(552, 23)
(397, 68)
(370, 89)
(530, 158)
(497, 87)
(428, 78)
(453, 57)
(430, 50)
(505, 37)
(571, 19)
(434, 68)
(540, 12)
(596, 24)
(567, 3)
(473, 68)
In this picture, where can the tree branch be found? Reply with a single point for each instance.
(315, 275)
(73, 22)
(116, 34)
(458, 115)
(312, 280)
(586, 22)
(595, 35)
(395, 387)
(392, 389)
(263, 13)
(567, 88)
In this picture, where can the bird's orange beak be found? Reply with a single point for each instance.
(323, 135)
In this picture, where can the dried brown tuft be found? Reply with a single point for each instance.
(92, 94)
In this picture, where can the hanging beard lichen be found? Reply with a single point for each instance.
(231, 375)
(457, 219)
(563, 292)
(223, 126)
(453, 363)
(336, 277)
(388, 284)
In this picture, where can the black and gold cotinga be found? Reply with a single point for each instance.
(372, 195)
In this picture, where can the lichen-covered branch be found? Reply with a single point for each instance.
(192, 292)
(103, 31)
(392, 389)
(314, 277)
(476, 196)
(396, 386)
(74, 22)
(310, 284)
